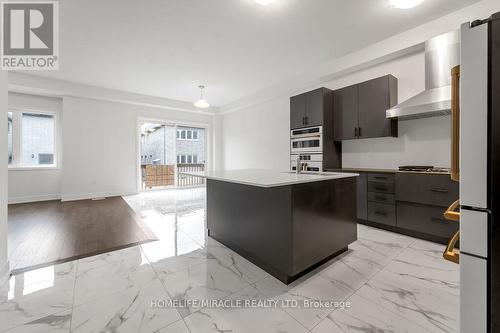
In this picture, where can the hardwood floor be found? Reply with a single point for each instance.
(43, 233)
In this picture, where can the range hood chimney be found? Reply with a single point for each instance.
(442, 53)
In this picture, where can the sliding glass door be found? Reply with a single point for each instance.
(166, 151)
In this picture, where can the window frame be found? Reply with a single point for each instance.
(17, 134)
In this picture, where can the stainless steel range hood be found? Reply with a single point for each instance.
(441, 54)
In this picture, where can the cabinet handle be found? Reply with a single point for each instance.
(451, 213)
(359, 131)
(380, 177)
(378, 188)
(380, 198)
(355, 131)
(381, 213)
(450, 253)
(306, 120)
(439, 190)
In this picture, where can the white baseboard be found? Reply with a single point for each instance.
(86, 196)
(4, 273)
(34, 198)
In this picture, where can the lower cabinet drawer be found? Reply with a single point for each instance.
(382, 213)
(382, 198)
(426, 219)
(380, 187)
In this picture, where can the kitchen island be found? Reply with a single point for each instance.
(285, 223)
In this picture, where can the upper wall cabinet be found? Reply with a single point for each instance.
(359, 110)
(308, 109)
(345, 106)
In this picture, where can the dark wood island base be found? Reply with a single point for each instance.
(285, 230)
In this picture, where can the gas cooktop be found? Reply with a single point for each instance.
(423, 168)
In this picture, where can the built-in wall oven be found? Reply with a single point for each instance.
(309, 162)
(306, 146)
(306, 140)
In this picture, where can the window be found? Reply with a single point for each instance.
(187, 159)
(32, 139)
(187, 134)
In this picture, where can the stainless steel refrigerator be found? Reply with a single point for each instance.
(479, 163)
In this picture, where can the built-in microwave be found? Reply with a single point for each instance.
(306, 140)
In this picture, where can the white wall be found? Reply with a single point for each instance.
(258, 136)
(100, 145)
(4, 267)
(26, 185)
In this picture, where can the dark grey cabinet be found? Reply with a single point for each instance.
(360, 110)
(408, 203)
(425, 219)
(436, 190)
(362, 212)
(297, 111)
(315, 106)
(345, 106)
(375, 97)
(309, 109)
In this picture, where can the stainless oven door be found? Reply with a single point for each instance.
(306, 144)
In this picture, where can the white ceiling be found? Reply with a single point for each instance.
(166, 48)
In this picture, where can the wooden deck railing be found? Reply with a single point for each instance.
(187, 180)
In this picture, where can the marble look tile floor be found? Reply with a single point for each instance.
(385, 282)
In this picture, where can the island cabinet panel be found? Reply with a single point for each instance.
(253, 221)
(324, 224)
(285, 230)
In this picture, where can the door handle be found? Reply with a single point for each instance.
(455, 123)
(450, 253)
(439, 190)
(451, 213)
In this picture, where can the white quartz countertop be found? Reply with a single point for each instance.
(268, 178)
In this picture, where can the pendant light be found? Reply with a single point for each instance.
(201, 103)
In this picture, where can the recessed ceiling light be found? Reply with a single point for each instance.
(201, 103)
(405, 4)
(264, 2)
